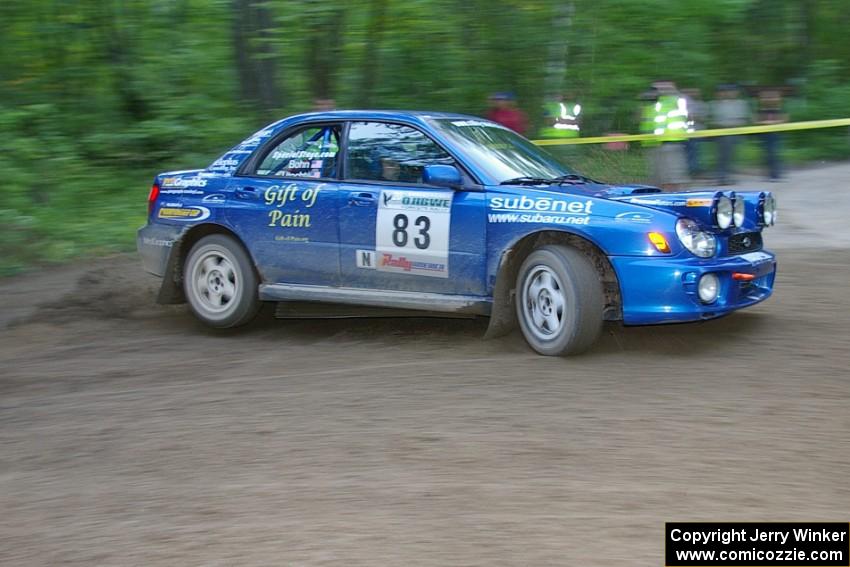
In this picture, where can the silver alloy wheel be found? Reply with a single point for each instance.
(214, 282)
(544, 302)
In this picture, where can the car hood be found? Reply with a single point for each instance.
(699, 204)
(592, 189)
(693, 204)
(696, 204)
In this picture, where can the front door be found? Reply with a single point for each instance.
(397, 233)
(285, 208)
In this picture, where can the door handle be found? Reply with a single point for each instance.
(362, 199)
(246, 193)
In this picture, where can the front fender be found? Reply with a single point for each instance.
(616, 228)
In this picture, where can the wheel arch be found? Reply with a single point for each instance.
(503, 314)
(171, 290)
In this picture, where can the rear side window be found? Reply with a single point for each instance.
(310, 152)
(390, 152)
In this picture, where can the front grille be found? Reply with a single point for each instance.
(745, 242)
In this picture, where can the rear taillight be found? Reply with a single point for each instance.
(152, 197)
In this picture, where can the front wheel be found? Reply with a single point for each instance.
(220, 282)
(559, 301)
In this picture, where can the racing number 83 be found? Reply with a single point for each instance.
(400, 224)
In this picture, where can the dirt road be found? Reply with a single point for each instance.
(131, 435)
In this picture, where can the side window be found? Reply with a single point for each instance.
(311, 152)
(390, 152)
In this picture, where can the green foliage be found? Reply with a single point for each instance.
(98, 95)
(56, 203)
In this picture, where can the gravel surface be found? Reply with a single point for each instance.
(132, 435)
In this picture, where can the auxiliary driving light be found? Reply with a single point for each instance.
(723, 212)
(739, 211)
(708, 288)
(768, 211)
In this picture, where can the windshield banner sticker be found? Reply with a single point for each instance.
(481, 123)
(412, 233)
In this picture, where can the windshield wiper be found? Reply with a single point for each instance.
(526, 181)
(573, 178)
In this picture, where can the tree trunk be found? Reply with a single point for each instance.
(808, 18)
(371, 55)
(324, 50)
(118, 54)
(556, 64)
(256, 60)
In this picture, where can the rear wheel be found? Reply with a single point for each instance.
(220, 282)
(559, 301)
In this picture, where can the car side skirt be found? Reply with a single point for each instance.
(436, 302)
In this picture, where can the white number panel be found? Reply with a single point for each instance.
(412, 232)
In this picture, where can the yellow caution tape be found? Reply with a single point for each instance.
(784, 127)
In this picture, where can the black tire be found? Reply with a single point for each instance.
(559, 301)
(220, 283)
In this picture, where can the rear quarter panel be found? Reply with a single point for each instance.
(186, 200)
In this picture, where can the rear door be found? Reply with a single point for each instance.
(396, 232)
(285, 206)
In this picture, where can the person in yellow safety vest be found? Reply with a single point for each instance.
(650, 116)
(667, 118)
(674, 110)
(561, 119)
(671, 120)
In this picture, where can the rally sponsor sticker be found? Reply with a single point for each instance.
(216, 198)
(179, 213)
(184, 182)
(540, 210)
(412, 232)
(634, 216)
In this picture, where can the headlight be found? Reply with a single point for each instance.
(708, 288)
(723, 212)
(699, 242)
(739, 211)
(768, 212)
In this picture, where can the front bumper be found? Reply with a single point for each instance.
(664, 290)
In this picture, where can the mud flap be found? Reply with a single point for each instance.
(502, 319)
(171, 290)
(503, 315)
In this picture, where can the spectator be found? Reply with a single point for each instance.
(728, 110)
(665, 116)
(697, 114)
(561, 117)
(323, 104)
(770, 112)
(503, 110)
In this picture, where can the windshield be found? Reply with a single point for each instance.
(503, 153)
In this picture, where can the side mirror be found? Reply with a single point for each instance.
(442, 176)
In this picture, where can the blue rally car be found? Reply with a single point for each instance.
(446, 213)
